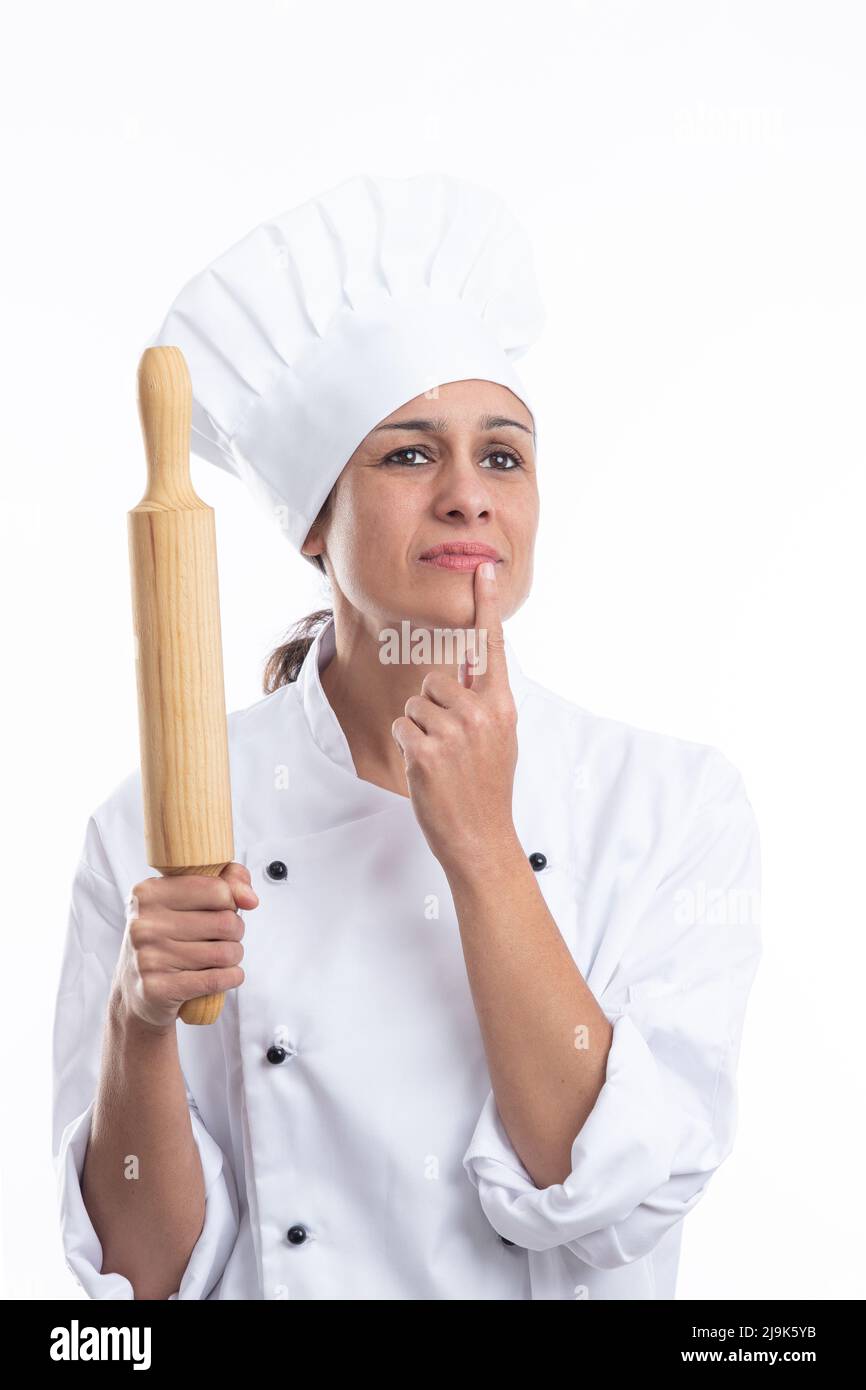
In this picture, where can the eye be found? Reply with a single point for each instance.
(506, 454)
(397, 457)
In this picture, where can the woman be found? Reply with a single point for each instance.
(484, 1040)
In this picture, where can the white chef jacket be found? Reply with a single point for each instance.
(376, 1139)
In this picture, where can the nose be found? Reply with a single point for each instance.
(463, 491)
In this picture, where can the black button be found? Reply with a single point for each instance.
(277, 1054)
(505, 1241)
(276, 870)
(538, 860)
(297, 1234)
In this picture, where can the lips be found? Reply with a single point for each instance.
(459, 555)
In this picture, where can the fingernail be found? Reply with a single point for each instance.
(487, 569)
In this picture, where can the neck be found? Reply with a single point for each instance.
(367, 695)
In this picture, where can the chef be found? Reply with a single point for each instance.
(496, 949)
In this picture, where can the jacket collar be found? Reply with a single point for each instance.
(323, 724)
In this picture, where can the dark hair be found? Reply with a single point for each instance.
(285, 661)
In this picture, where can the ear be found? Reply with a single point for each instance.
(313, 545)
(315, 542)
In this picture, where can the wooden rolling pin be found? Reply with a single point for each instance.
(186, 790)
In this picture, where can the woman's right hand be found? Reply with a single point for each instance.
(182, 939)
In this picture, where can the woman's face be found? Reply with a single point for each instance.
(451, 468)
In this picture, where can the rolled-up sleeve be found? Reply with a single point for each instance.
(81, 1244)
(665, 1117)
(96, 924)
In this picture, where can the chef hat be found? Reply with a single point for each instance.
(308, 332)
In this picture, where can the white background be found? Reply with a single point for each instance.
(692, 177)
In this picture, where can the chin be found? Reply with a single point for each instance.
(456, 613)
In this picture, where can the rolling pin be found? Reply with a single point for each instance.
(186, 790)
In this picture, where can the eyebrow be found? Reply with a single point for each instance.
(440, 426)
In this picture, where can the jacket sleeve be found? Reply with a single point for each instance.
(97, 920)
(665, 1117)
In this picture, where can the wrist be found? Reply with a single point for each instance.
(479, 868)
(128, 1027)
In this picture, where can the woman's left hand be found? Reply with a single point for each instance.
(459, 744)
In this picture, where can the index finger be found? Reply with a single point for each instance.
(491, 671)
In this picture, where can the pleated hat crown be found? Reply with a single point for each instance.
(320, 322)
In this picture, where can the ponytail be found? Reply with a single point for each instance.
(285, 661)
